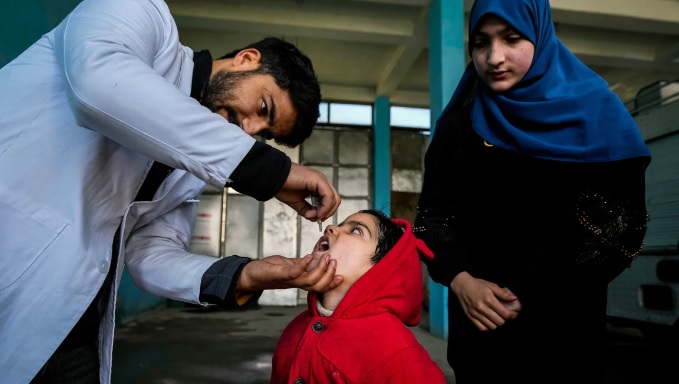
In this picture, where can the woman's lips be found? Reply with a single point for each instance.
(498, 75)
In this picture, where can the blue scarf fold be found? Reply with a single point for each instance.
(560, 110)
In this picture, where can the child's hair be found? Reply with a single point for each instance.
(388, 233)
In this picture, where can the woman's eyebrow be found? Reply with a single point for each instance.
(503, 30)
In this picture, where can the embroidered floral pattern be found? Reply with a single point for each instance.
(610, 228)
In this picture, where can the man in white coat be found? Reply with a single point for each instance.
(109, 128)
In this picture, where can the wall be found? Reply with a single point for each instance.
(24, 22)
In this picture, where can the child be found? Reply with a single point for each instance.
(357, 332)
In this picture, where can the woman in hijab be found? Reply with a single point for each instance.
(533, 201)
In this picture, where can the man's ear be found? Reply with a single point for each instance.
(247, 57)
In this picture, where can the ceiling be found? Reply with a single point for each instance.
(362, 49)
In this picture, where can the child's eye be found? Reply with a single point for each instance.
(356, 230)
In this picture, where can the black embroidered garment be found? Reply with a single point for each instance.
(554, 233)
(498, 211)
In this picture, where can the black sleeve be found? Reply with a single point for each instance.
(435, 219)
(261, 173)
(435, 229)
(218, 285)
(612, 217)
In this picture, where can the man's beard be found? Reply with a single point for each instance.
(221, 92)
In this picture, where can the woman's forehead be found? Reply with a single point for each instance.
(491, 20)
(524, 16)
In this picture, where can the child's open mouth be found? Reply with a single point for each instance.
(322, 244)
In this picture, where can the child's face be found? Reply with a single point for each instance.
(352, 244)
(501, 55)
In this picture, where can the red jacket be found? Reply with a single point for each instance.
(366, 340)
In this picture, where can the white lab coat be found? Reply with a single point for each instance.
(83, 114)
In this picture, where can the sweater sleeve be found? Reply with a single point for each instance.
(262, 172)
(218, 284)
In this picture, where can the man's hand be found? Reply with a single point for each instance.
(278, 272)
(486, 304)
(303, 182)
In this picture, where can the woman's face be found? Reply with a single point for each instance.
(501, 55)
(352, 243)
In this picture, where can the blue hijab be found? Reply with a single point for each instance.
(561, 109)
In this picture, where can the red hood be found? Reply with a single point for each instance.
(394, 284)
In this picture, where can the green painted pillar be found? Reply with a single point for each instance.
(447, 56)
(382, 154)
(23, 22)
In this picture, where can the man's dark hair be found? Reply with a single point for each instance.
(292, 70)
(388, 233)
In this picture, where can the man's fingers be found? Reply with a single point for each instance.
(297, 269)
(316, 273)
(304, 209)
(327, 279)
(322, 278)
(329, 203)
(306, 260)
(314, 263)
(336, 281)
(330, 198)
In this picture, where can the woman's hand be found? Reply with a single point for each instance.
(486, 304)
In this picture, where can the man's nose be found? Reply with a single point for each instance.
(253, 126)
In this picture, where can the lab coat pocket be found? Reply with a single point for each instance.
(26, 230)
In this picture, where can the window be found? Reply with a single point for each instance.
(323, 110)
(408, 117)
(351, 114)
